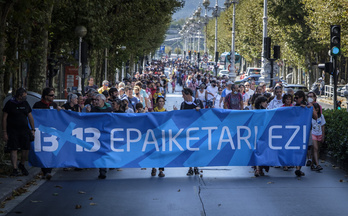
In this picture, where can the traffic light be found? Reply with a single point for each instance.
(335, 40)
(199, 56)
(267, 47)
(184, 53)
(327, 67)
(276, 52)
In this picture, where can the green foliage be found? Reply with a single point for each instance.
(336, 134)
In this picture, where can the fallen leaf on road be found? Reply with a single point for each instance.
(143, 169)
(219, 205)
(58, 186)
(91, 198)
(93, 204)
(201, 176)
(55, 194)
(19, 179)
(35, 201)
(119, 169)
(78, 206)
(179, 190)
(270, 182)
(322, 161)
(341, 180)
(201, 171)
(335, 167)
(82, 192)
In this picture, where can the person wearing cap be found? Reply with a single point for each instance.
(104, 87)
(125, 104)
(225, 92)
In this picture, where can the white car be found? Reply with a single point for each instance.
(223, 73)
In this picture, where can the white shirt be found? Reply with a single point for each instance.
(275, 104)
(217, 102)
(316, 125)
(213, 90)
(201, 96)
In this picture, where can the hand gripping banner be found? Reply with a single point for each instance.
(183, 138)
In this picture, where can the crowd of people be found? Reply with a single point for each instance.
(146, 92)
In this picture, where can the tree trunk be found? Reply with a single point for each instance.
(38, 63)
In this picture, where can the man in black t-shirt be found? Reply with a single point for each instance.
(16, 131)
(190, 103)
(46, 103)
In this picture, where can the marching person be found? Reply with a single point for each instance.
(47, 103)
(190, 103)
(17, 134)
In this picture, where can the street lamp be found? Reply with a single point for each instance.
(232, 72)
(80, 31)
(216, 11)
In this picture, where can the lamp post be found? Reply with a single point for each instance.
(80, 31)
(216, 11)
(232, 72)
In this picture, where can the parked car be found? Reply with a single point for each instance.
(255, 77)
(296, 87)
(251, 71)
(223, 73)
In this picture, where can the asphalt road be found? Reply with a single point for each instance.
(216, 191)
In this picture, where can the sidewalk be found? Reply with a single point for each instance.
(8, 185)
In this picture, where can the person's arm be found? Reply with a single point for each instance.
(241, 104)
(4, 126)
(31, 122)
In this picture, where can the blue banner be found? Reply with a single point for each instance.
(183, 138)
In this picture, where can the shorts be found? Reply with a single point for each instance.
(18, 140)
(317, 137)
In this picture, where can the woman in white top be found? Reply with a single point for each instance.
(217, 98)
(202, 94)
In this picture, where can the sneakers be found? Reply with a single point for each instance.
(161, 174)
(316, 168)
(299, 173)
(14, 173)
(23, 169)
(189, 172)
(102, 174)
(153, 172)
(196, 171)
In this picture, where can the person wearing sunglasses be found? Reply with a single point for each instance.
(105, 87)
(46, 102)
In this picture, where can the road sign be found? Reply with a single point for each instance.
(162, 48)
(205, 59)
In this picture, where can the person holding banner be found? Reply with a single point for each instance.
(261, 103)
(159, 108)
(190, 103)
(300, 100)
(101, 106)
(234, 100)
(47, 103)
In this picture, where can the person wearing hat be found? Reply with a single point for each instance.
(225, 92)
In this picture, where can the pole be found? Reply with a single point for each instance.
(335, 81)
(79, 89)
(265, 18)
(232, 72)
(216, 29)
(106, 64)
(206, 30)
(271, 82)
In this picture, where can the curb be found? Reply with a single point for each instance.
(8, 185)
